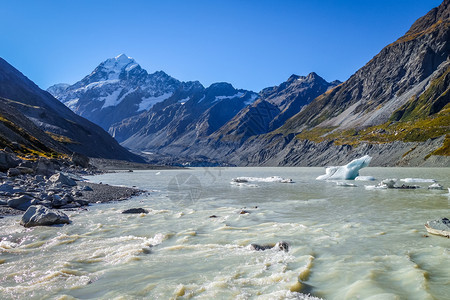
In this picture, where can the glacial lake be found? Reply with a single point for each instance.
(344, 242)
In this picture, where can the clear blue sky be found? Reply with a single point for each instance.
(249, 43)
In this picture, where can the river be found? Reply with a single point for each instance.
(344, 242)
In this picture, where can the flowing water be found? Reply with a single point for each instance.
(345, 242)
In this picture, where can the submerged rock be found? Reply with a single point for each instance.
(39, 215)
(281, 246)
(135, 211)
(439, 227)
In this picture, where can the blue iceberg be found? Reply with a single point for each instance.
(348, 172)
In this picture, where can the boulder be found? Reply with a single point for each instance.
(39, 178)
(86, 188)
(82, 202)
(26, 164)
(25, 170)
(13, 172)
(62, 179)
(21, 202)
(58, 201)
(8, 160)
(44, 167)
(80, 160)
(39, 215)
(135, 211)
(280, 246)
(6, 187)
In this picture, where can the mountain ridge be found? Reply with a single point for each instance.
(50, 115)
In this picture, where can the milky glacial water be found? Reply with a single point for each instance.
(345, 242)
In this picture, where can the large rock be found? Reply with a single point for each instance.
(13, 172)
(44, 167)
(39, 215)
(135, 211)
(8, 160)
(80, 160)
(22, 202)
(62, 179)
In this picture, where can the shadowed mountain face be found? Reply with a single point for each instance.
(275, 105)
(21, 135)
(53, 117)
(181, 124)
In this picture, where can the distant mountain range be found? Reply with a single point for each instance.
(33, 122)
(155, 113)
(395, 108)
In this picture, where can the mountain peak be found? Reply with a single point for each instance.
(119, 63)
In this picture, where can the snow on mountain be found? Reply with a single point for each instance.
(118, 88)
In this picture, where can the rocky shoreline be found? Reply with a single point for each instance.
(53, 184)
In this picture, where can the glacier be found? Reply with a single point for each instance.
(348, 172)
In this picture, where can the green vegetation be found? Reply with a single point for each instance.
(424, 117)
(430, 102)
(32, 149)
(445, 149)
(61, 138)
(415, 35)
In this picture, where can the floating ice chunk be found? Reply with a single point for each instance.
(365, 178)
(244, 184)
(262, 179)
(390, 183)
(346, 184)
(435, 186)
(376, 187)
(287, 180)
(348, 172)
(417, 180)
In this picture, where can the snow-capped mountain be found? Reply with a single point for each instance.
(118, 88)
(179, 124)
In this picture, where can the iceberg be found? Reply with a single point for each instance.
(348, 172)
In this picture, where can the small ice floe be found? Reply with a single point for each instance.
(348, 172)
(158, 173)
(415, 180)
(435, 186)
(439, 227)
(346, 184)
(376, 187)
(244, 184)
(262, 179)
(365, 178)
(390, 184)
(287, 180)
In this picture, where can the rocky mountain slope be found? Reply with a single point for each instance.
(274, 106)
(117, 89)
(52, 121)
(396, 108)
(172, 126)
